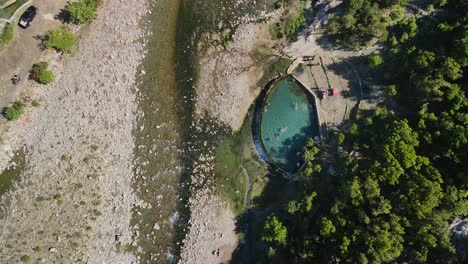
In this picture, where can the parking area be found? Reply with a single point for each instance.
(24, 50)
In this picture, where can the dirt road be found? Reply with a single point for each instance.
(23, 51)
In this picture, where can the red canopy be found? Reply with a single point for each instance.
(335, 92)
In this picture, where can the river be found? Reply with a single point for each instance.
(166, 144)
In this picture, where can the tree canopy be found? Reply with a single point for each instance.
(401, 173)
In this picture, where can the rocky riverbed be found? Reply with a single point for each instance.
(74, 199)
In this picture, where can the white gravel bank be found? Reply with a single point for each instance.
(74, 200)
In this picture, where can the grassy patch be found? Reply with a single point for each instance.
(41, 73)
(275, 30)
(6, 35)
(8, 176)
(35, 103)
(14, 111)
(230, 178)
(295, 21)
(25, 259)
(61, 39)
(82, 11)
(273, 69)
(239, 170)
(8, 11)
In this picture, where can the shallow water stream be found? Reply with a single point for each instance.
(166, 142)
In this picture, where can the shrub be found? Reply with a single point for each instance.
(392, 90)
(61, 39)
(41, 74)
(294, 23)
(35, 103)
(276, 31)
(14, 111)
(397, 13)
(7, 35)
(46, 77)
(25, 259)
(278, 4)
(82, 11)
(341, 138)
(375, 60)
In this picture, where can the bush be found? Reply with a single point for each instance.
(375, 60)
(25, 259)
(41, 74)
(7, 35)
(294, 23)
(278, 4)
(46, 77)
(341, 138)
(35, 103)
(392, 90)
(82, 11)
(275, 30)
(397, 13)
(14, 111)
(61, 39)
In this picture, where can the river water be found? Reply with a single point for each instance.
(166, 144)
(159, 151)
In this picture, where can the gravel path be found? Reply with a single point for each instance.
(74, 199)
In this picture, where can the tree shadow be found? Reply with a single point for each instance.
(346, 70)
(63, 16)
(42, 38)
(273, 199)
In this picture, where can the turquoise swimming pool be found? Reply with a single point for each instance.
(288, 120)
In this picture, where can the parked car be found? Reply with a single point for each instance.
(27, 17)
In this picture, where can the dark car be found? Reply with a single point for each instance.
(27, 17)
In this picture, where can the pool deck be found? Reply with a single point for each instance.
(317, 73)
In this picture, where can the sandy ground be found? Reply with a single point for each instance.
(326, 73)
(227, 83)
(73, 202)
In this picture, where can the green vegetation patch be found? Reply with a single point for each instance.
(360, 22)
(295, 22)
(41, 74)
(230, 178)
(25, 259)
(8, 11)
(276, 31)
(273, 69)
(8, 176)
(375, 60)
(61, 39)
(240, 174)
(83, 11)
(391, 192)
(14, 111)
(6, 35)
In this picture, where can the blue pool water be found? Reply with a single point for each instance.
(288, 120)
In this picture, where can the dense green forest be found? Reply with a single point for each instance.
(401, 169)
